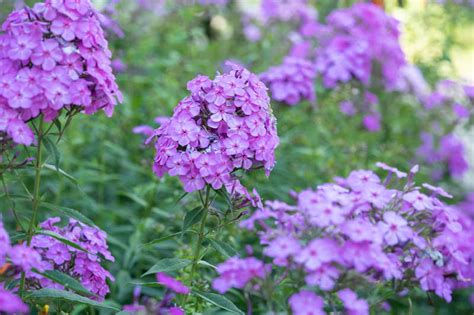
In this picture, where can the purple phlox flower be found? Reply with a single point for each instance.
(171, 283)
(352, 304)
(11, 303)
(395, 228)
(391, 169)
(306, 303)
(437, 190)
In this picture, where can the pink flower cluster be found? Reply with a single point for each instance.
(380, 230)
(292, 81)
(83, 266)
(225, 124)
(53, 56)
(356, 39)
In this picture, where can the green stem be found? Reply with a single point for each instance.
(36, 197)
(197, 248)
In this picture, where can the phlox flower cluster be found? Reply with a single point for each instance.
(53, 56)
(292, 81)
(446, 154)
(269, 12)
(166, 305)
(360, 227)
(449, 105)
(354, 42)
(226, 124)
(85, 266)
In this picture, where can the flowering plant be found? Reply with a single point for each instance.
(383, 234)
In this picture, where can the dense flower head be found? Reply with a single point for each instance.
(85, 266)
(386, 230)
(225, 124)
(292, 81)
(354, 41)
(53, 56)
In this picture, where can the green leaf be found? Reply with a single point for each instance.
(192, 217)
(69, 213)
(53, 150)
(52, 294)
(61, 239)
(167, 265)
(161, 239)
(65, 280)
(218, 300)
(135, 198)
(225, 249)
(61, 172)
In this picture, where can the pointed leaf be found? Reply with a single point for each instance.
(70, 213)
(167, 265)
(61, 172)
(52, 294)
(192, 217)
(161, 239)
(61, 239)
(218, 300)
(53, 150)
(225, 249)
(67, 281)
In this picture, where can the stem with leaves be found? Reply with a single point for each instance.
(36, 194)
(197, 249)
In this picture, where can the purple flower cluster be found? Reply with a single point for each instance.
(364, 226)
(292, 81)
(85, 266)
(53, 56)
(270, 12)
(237, 273)
(450, 105)
(355, 40)
(446, 154)
(225, 124)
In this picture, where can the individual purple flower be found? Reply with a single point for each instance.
(11, 303)
(25, 257)
(171, 283)
(224, 125)
(395, 228)
(306, 303)
(347, 108)
(352, 304)
(372, 122)
(391, 169)
(292, 81)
